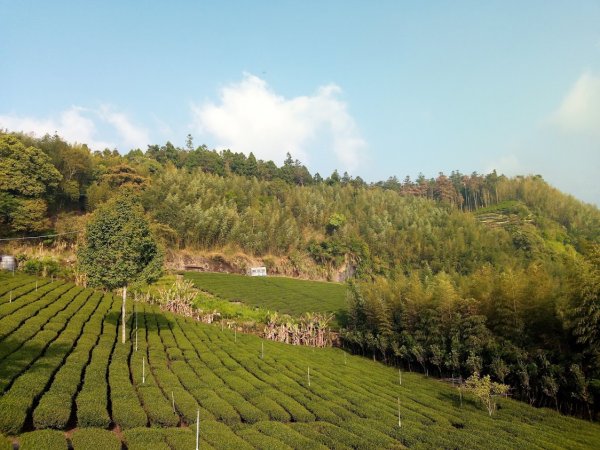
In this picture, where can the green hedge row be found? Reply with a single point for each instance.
(54, 409)
(126, 407)
(145, 439)
(184, 439)
(287, 435)
(260, 440)
(5, 443)
(95, 439)
(17, 401)
(221, 436)
(43, 439)
(25, 345)
(185, 404)
(20, 285)
(13, 284)
(331, 435)
(156, 405)
(92, 400)
(18, 312)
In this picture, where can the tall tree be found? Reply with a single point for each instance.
(120, 249)
(27, 179)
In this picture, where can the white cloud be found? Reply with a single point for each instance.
(131, 135)
(80, 125)
(71, 125)
(579, 112)
(251, 117)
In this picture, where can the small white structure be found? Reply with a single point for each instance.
(8, 262)
(257, 271)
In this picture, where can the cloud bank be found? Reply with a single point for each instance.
(579, 113)
(78, 124)
(251, 117)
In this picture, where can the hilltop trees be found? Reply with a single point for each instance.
(119, 248)
(26, 176)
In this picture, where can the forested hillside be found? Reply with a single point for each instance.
(450, 275)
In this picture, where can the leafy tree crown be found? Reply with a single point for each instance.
(120, 249)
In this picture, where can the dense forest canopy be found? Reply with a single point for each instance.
(454, 274)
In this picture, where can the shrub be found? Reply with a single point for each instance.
(220, 436)
(184, 439)
(259, 440)
(285, 434)
(144, 439)
(44, 439)
(5, 443)
(95, 438)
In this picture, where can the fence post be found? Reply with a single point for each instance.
(198, 430)
(144, 370)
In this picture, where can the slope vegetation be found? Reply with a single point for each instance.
(284, 295)
(63, 368)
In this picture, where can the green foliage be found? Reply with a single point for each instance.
(26, 176)
(258, 402)
(95, 438)
(285, 295)
(5, 444)
(145, 438)
(486, 391)
(336, 221)
(120, 249)
(25, 171)
(46, 439)
(42, 267)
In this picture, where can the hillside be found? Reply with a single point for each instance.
(63, 368)
(284, 295)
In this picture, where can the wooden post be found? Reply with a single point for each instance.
(262, 350)
(144, 370)
(10, 298)
(399, 417)
(123, 314)
(36, 285)
(198, 430)
(460, 389)
(136, 340)
(345, 358)
(400, 376)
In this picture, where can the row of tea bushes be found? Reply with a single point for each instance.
(127, 410)
(55, 407)
(63, 330)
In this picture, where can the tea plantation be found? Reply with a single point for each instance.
(284, 295)
(66, 381)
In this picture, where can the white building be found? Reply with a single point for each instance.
(257, 271)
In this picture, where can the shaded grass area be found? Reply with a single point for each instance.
(284, 295)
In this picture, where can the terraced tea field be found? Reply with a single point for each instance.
(284, 295)
(66, 379)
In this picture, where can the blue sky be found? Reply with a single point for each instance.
(376, 88)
